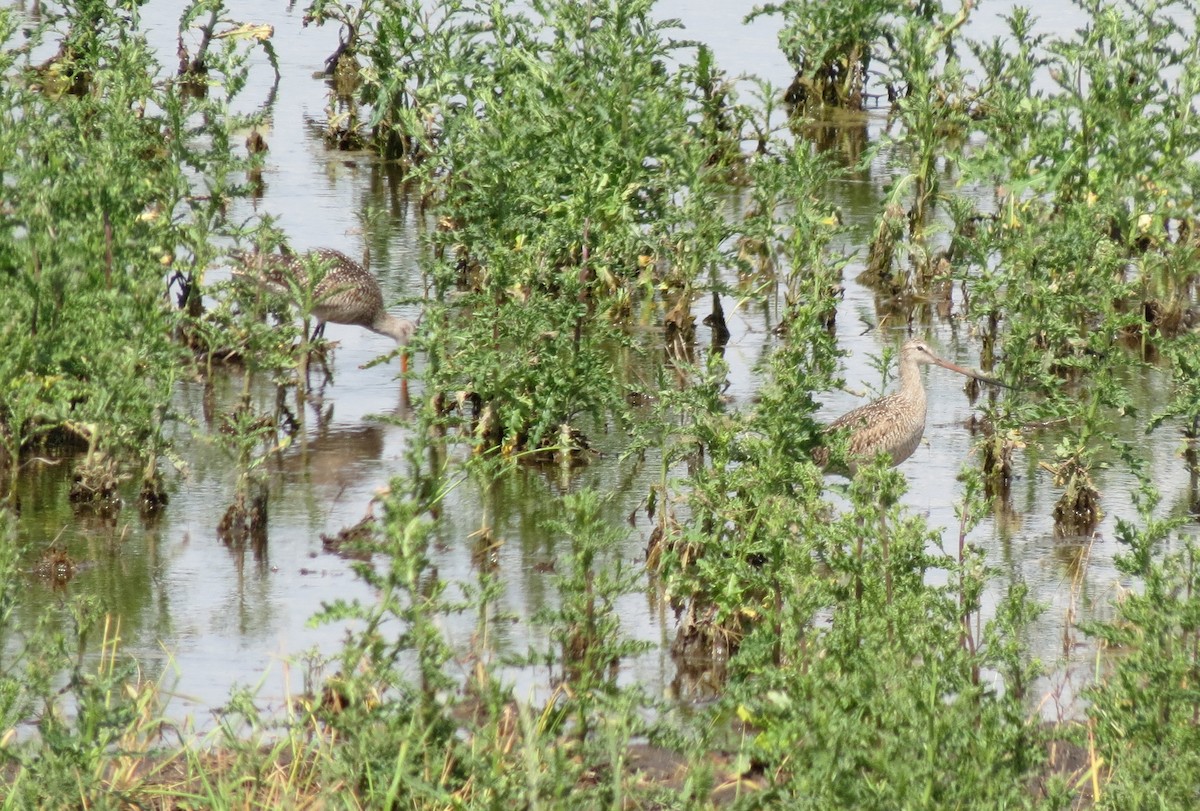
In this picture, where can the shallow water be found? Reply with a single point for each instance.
(207, 618)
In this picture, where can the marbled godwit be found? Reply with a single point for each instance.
(896, 422)
(345, 294)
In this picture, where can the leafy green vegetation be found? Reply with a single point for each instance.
(589, 180)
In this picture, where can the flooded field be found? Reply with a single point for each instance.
(203, 616)
(206, 618)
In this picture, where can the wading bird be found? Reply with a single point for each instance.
(345, 294)
(896, 422)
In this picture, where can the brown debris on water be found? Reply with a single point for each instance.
(356, 542)
(757, 253)
(55, 565)
(1167, 319)
(679, 326)
(488, 428)
(666, 535)
(701, 651)
(997, 462)
(573, 449)
(256, 144)
(94, 485)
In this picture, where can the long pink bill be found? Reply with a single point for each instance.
(963, 370)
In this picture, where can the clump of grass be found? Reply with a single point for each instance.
(835, 50)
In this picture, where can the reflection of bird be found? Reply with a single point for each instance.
(896, 422)
(345, 294)
(336, 460)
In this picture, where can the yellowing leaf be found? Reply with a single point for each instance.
(248, 31)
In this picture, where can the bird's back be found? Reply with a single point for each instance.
(347, 293)
(894, 424)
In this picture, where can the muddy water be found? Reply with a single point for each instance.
(206, 618)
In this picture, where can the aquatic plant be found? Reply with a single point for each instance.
(1184, 356)
(1141, 718)
(556, 208)
(834, 49)
(877, 665)
(1090, 150)
(93, 179)
(85, 272)
(752, 486)
(586, 626)
(399, 728)
(418, 58)
(926, 121)
(95, 723)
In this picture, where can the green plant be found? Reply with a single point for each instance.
(418, 58)
(556, 211)
(91, 174)
(397, 726)
(95, 731)
(931, 116)
(832, 48)
(585, 626)
(1144, 707)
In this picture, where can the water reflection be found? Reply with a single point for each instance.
(333, 461)
(843, 137)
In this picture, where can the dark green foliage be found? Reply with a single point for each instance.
(87, 334)
(878, 701)
(860, 682)
(561, 183)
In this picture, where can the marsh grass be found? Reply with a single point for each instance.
(835, 50)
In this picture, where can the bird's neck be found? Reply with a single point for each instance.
(395, 328)
(910, 381)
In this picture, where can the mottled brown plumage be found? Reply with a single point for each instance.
(894, 423)
(345, 294)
